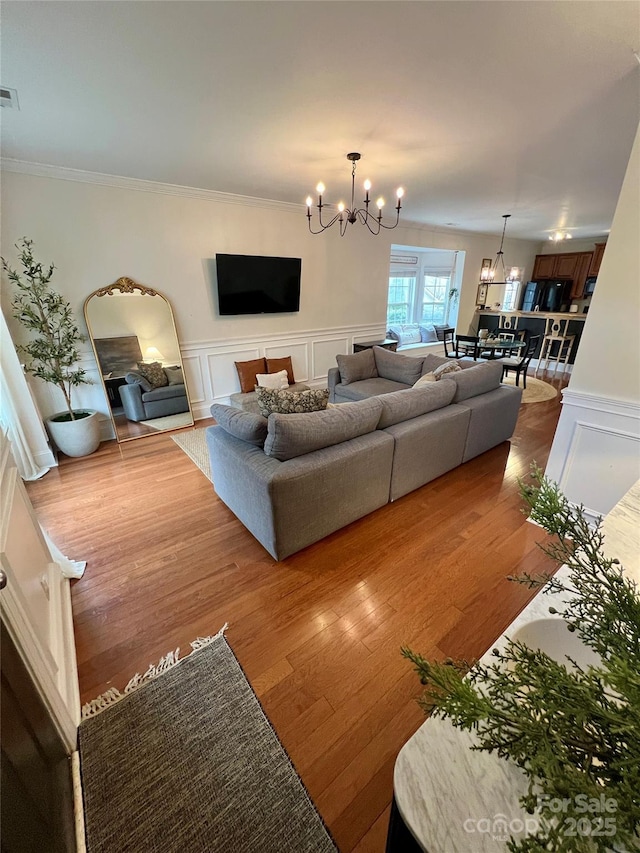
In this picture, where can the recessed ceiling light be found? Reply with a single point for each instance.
(9, 98)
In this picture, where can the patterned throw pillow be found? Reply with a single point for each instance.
(153, 373)
(450, 367)
(406, 333)
(275, 400)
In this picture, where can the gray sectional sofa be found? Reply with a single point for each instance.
(294, 479)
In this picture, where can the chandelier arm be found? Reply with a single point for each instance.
(364, 217)
(323, 227)
(395, 224)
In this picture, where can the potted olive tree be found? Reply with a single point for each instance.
(52, 353)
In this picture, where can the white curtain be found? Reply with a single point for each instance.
(19, 415)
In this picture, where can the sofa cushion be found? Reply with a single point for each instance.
(153, 373)
(135, 378)
(404, 405)
(275, 365)
(167, 392)
(475, 380)
(399, 368)
(244, 425)
(174, 375)
(284, 402)
(273, 380)
(368, 388)
(407, 333)
(295, 435)
(360, 365)
(247, 371)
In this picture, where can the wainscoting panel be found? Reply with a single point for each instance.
(198, 392)
(595, 457)
(324, 354)
(299, 352)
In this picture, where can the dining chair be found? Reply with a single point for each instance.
(449, 342)
(467, 345)
(520, 363)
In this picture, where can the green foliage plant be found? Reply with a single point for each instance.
(574, 731)
(52, 353)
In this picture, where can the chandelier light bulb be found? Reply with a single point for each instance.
(341, 207)
(320, 188)
(367, 185)
(309, 201)
(380, 203)
(399, 192)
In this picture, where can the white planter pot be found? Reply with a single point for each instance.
(75, 438)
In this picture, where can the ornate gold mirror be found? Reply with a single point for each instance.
(134, 339)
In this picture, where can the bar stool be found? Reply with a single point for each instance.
(556, 344)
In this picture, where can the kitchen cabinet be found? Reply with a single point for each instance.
(598, 252)
(556, 266)
(583, 268)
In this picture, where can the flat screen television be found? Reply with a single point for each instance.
(252, 284)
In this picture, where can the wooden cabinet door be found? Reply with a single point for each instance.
(598, 252)
(544, 267)
(582, 271)
(566, 265)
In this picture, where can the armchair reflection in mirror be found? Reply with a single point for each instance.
(134, 339)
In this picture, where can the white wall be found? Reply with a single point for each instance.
(595, 456)
(97, 232)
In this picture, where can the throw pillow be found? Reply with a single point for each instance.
(449, 367)
(406, 333)
(397, 367)
(360, 365)
(432, 361)
(153, 373)
(240, 424)
(247, 371)
(295, 435)
(275, 400)
(275, 365)
(133, 378)
(428, 334)
(425, 379)
(273, 380)
(440, 327)
(174, 375)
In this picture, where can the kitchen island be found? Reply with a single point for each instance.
(532, 323)
(449, 798)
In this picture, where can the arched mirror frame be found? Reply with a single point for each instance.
(126, 285)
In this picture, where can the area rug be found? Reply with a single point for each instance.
(194, 445)
(185, 761)
(169, 422)
(536, 391)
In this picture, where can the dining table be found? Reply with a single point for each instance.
(497, 347)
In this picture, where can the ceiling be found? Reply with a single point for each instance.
(477, 108)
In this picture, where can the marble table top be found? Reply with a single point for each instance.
(456, 800)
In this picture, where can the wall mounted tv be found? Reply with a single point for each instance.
(251, 284)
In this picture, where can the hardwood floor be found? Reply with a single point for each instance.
(318, 634)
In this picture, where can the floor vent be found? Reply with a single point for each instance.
(9, 98)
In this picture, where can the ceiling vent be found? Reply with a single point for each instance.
(9, 98)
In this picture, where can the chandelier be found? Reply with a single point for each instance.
(350, 215)
(489, 274)
(558, 236)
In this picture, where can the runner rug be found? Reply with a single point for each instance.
(194, 444)
(185, 761)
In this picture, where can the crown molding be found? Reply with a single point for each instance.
(63, 173)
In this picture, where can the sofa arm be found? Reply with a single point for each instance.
(131, 396)
(333, 378)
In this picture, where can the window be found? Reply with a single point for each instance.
(401, 297)
(434, 298)
(510, 298)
